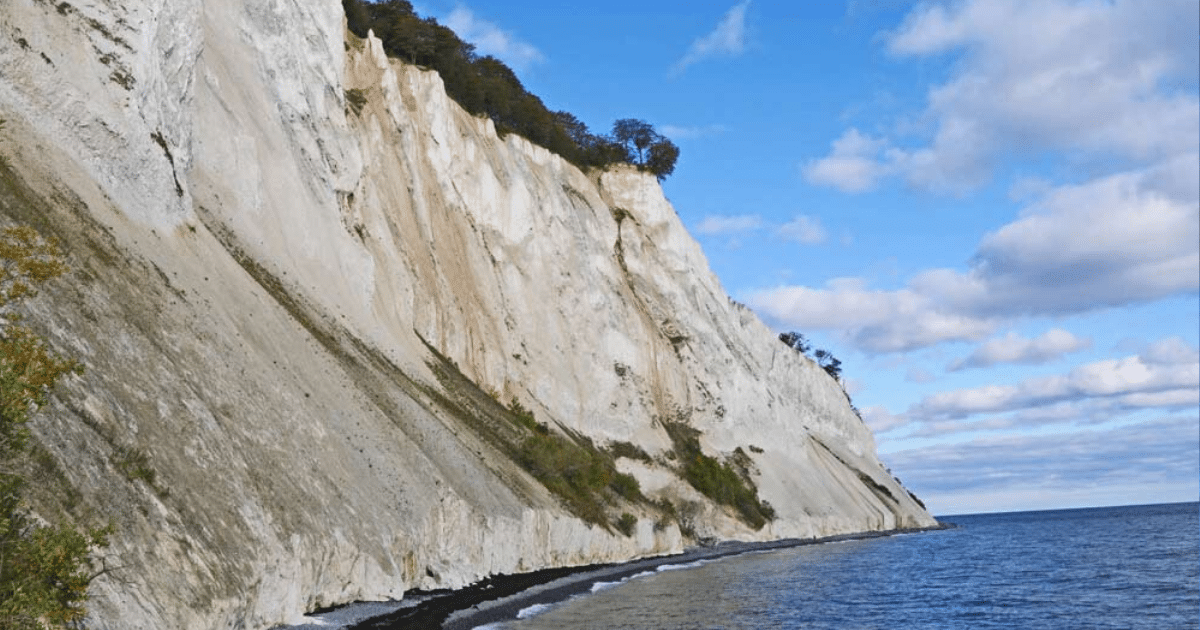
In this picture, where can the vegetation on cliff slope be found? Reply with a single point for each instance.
(44, 570)
(485, 86)
(581, 474)
(727, 483)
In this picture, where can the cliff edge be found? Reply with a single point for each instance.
(362, 341)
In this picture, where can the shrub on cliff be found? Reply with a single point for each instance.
(719, 481)
(44, 570)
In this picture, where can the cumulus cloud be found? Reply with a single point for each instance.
(803, 229)
(727, 39)
(490, 39)
(1116, 240)
(1013, 348)
(875, 321)
(729, 224)
(853, 164)
(1170, 351)
(1095, 79)
(1129, 382)
(1122, 239)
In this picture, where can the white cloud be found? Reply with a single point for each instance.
(1155, 460)
(727, 39)
(876, 321)
(880, 420)
(1127, 238)
(1094, 79)
(675, 132)
(1121, 239)
(1170, 351)
(1135, 381)
(919, 375)
(1012, 348)
(853, 164)
(490, 39)
(803, 229)
(729, 224)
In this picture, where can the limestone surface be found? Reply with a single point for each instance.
(269, 287)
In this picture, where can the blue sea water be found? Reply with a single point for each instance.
(1120, 568)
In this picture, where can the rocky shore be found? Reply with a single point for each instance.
(502, 597)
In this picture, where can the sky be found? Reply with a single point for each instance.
(989, 210)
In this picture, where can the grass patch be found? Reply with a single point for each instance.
(629, 450)
(134, 464)
(583, 476)
(720, 481)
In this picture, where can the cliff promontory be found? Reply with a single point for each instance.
(357, 343)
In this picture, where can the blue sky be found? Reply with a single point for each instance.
(988, 210)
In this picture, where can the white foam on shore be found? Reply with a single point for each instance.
(603, 586)
(680, 567)
(535, 609)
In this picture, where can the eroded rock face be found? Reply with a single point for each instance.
(264, 279)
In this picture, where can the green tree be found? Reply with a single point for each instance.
(830, 363)
(661, 158)
(796, 341)
(636, 135)
(483, 85)
(44, 571)
(647, 149)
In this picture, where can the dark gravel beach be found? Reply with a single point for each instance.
(499, 598)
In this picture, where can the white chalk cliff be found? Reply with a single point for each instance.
(265, 282)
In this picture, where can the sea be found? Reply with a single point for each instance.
(1114, 567)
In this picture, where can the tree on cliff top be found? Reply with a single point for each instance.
(485, 86)
(44, 571)
(796, 341)
(647, 149)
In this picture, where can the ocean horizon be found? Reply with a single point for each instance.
(1102, 567)
(1132, 566)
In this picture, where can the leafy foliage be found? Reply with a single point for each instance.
(717, 480)
(44, 571)
(648, 149)
(626, 523)
(575, 470)
(584, 477)
(830, 363)
(824, 358)
(26, 260)
(484, 85)
(796, 341)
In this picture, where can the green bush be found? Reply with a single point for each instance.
(627, 486)
(626, 523)
(717, 480)
(44, 570)
(134, 464)
(629, 450)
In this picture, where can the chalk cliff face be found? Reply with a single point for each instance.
(280, 296)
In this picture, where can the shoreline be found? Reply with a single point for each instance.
(500, 598)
